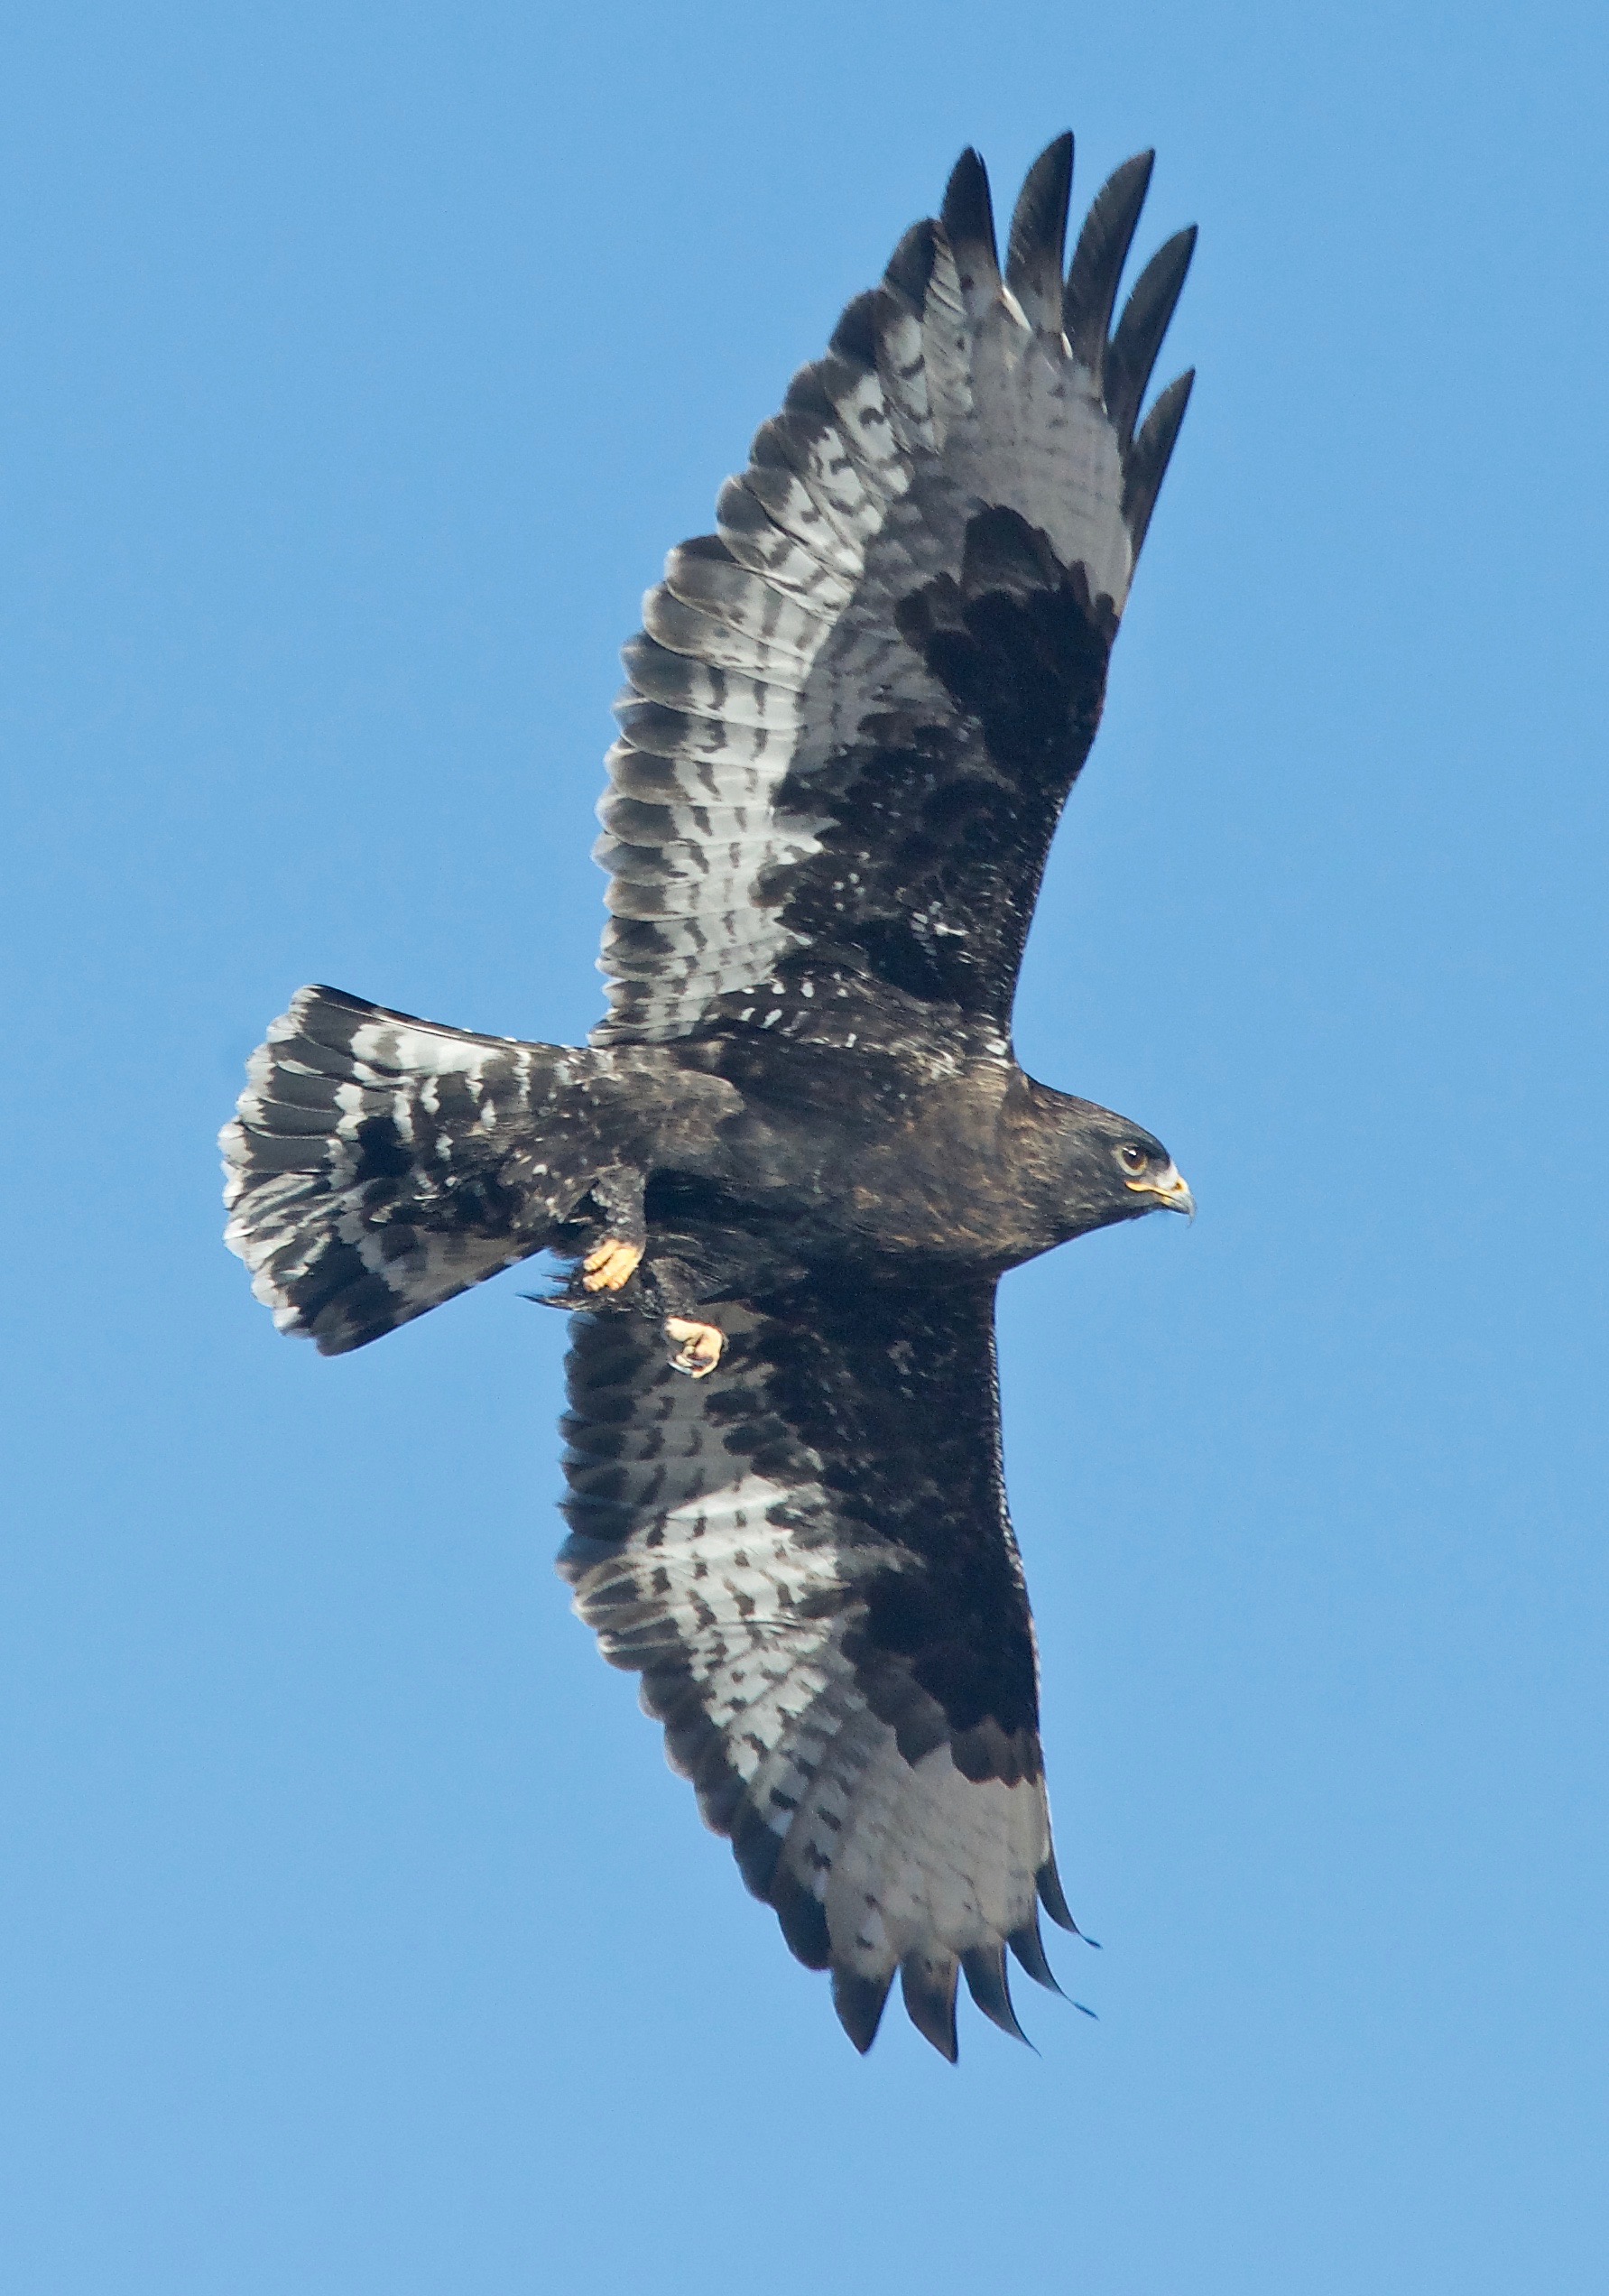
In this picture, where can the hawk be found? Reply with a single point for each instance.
(787, 1173)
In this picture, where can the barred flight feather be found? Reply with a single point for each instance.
(777, 673)
(783, 1559)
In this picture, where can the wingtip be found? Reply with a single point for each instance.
(802, 1919)
(967, 206)
(859, 2003)
(1147, 315)
(1029, 1946)
(1052, 1896)
(1101, 251)
(1130, 182)
(1047, 189)
(1151, 453)
(1134, 176)
(855, 338)
(990, 1988)
(928, 1986)
(967, 216)
(910, 266)
(1037, 240)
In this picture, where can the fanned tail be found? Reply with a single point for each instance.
(378, 1164)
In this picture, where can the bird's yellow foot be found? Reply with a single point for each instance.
(610, 1265)
(700, 1346)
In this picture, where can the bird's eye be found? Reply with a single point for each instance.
(1132, 1157)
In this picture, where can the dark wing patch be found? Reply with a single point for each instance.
(812, 790)
(808, 1560)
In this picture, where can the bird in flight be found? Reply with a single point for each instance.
(786, 1175)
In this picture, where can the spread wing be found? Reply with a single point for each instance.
(856, 710)
(808, 1560)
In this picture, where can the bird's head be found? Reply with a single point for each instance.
(1109, 1168)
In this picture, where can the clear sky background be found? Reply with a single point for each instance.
(359, 365)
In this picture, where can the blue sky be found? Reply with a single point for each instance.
(357, 367)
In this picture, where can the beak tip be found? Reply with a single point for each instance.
(1170, 1193)
(1174, 1192)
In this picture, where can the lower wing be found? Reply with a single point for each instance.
(807, 1559)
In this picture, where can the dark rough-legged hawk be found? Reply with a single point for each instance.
(797, 1157)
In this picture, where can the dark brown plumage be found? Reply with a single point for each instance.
(799, 1154)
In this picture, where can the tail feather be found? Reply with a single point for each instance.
(378, 1164)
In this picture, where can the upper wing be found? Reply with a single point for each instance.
(807, 1557)
(856, 709)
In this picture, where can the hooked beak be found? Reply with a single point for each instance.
(1168, 1188)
